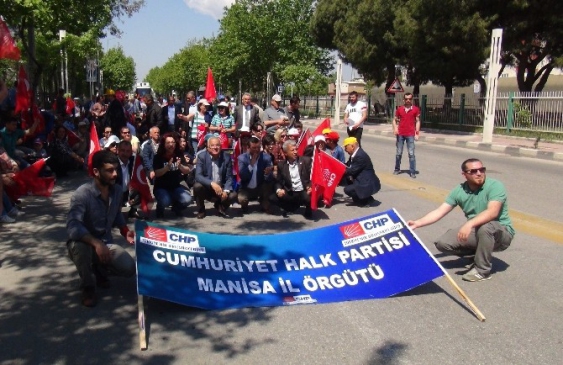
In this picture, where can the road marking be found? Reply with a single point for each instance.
(523, 222)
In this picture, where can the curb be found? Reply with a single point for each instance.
(509, 150)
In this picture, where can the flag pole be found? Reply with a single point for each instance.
(142, 329)
(464, 296)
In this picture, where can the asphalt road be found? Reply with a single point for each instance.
(42, 322)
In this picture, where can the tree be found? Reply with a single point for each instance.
(445, 41)
(532, 38)
(36, 19)
(119, 70)
(363, 34)
(184, 71)
(257, 37)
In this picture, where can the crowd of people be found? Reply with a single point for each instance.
(198, 150)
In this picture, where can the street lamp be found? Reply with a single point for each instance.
(62, 35)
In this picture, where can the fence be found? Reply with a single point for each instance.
(532, 111)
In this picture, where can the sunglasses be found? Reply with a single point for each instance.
(126, 132)
(475, 171)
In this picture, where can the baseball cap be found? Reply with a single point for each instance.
(319, 137)
(223, 104)
(112, 139)
(37, 140)
(293, 132)
(349, 140)
(333, 136)
(327, 130)
(277, 98)
(203, 101)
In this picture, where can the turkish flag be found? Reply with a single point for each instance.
(236, 153)
(94, 147)
(8, 48)
(326, 173)
(200, 135)
(319, 130)
(139, 183)
(28, 182)
(72, 138)
(305, 140)
(210, 92)
(23, 92)
(28, 118)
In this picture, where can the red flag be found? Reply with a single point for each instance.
(200, 136)
(28, 118)
(94, 146)
(72, 138)
(210, 92)
(236, 153)
(8, 48)
(70, 106)
(306, 140)
(319, 130)
(139, 183)
(23, 93)
(28, 182)
(326, 173)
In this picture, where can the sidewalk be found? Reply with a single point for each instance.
(514, 146)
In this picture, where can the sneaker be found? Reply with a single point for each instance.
(14, 212)
(412, 175)
(396, 172)
(473, 276)
(6, 219)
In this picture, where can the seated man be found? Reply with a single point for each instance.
(361, 182)
(256, 179)
(95, 208)
(488, 227)
(124, 174)
(293, 184)
(127, 135)
(214, 179)
(12, 137)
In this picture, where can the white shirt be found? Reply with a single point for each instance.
(355, 112)
(125, 172)
(296, 184)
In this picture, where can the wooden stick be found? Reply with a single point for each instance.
(142, 331)
(473, 307)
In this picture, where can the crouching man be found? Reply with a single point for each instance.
(95, 208)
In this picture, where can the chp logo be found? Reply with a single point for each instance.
(352, 230)
(329, 177)
(155, 233)
(298, 299)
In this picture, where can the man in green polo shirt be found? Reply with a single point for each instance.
(488, 227)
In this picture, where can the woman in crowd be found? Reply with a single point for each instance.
(202, 118)
(223, 122)
(170, 165)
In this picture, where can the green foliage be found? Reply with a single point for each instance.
(119, 70)
(84, 21)
(532, 37)
(185, 71)
(257, 37)
(523, 115)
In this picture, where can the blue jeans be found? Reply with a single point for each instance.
(178, 197)
(410, 147)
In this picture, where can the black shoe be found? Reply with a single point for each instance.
(201, 214)
(396, 172)
(159, 214)
(135, 214)
(222, 213)
(412, 175)
(308, 214)
(284, 214)
(244, 208)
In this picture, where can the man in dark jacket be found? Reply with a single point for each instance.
(360, 177)
(115, 114)
(293, 185)
(170, 116)
(153, 117)
(256, 178)
(214, 179)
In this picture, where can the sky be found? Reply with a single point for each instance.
(162, 27)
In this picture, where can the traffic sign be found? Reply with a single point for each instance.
(396, 87)
(280, 89)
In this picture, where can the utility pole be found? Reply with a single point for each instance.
(492, 85)
(338, 92)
